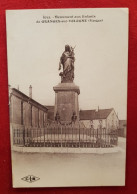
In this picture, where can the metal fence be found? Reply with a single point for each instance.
(57, 135)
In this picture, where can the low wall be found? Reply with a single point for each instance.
(66, 150)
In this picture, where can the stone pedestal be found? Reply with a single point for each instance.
(66, 101)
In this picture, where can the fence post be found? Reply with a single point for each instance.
(79, 135)
(44, 135)
(65, 131)
(117, 136)
(97, 138)
(93, 136)
(61, 135)
(23, 136)
(54, 143)
(57, 135)
(72, 135)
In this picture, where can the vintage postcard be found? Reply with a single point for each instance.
(67, 72)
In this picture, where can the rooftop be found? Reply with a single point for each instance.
(26, 98)
(93, 114)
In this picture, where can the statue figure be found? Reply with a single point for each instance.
(67, 61)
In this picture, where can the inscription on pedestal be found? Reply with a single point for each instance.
(66, 102)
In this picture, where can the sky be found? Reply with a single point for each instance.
(101, 52)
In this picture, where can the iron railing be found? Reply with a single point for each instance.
(57, 135)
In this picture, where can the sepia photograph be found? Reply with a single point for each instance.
(67, 76)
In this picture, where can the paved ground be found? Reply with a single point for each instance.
(70, 169)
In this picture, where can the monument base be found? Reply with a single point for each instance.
(66, 101)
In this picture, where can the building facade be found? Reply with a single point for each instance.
(106, 118)
(122, 132)
(26, 111)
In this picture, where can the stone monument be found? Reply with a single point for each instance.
(66, 93)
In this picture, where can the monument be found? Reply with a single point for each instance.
(66, 93)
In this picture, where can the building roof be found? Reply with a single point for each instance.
(103, 113)
(87, 114)
(49, 107)
(84, 114)
(26, 98)
(93, 114)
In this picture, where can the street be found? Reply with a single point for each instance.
(70, 169)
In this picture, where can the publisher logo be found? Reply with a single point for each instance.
(30, 178)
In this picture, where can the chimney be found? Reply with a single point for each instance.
(30, 91)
